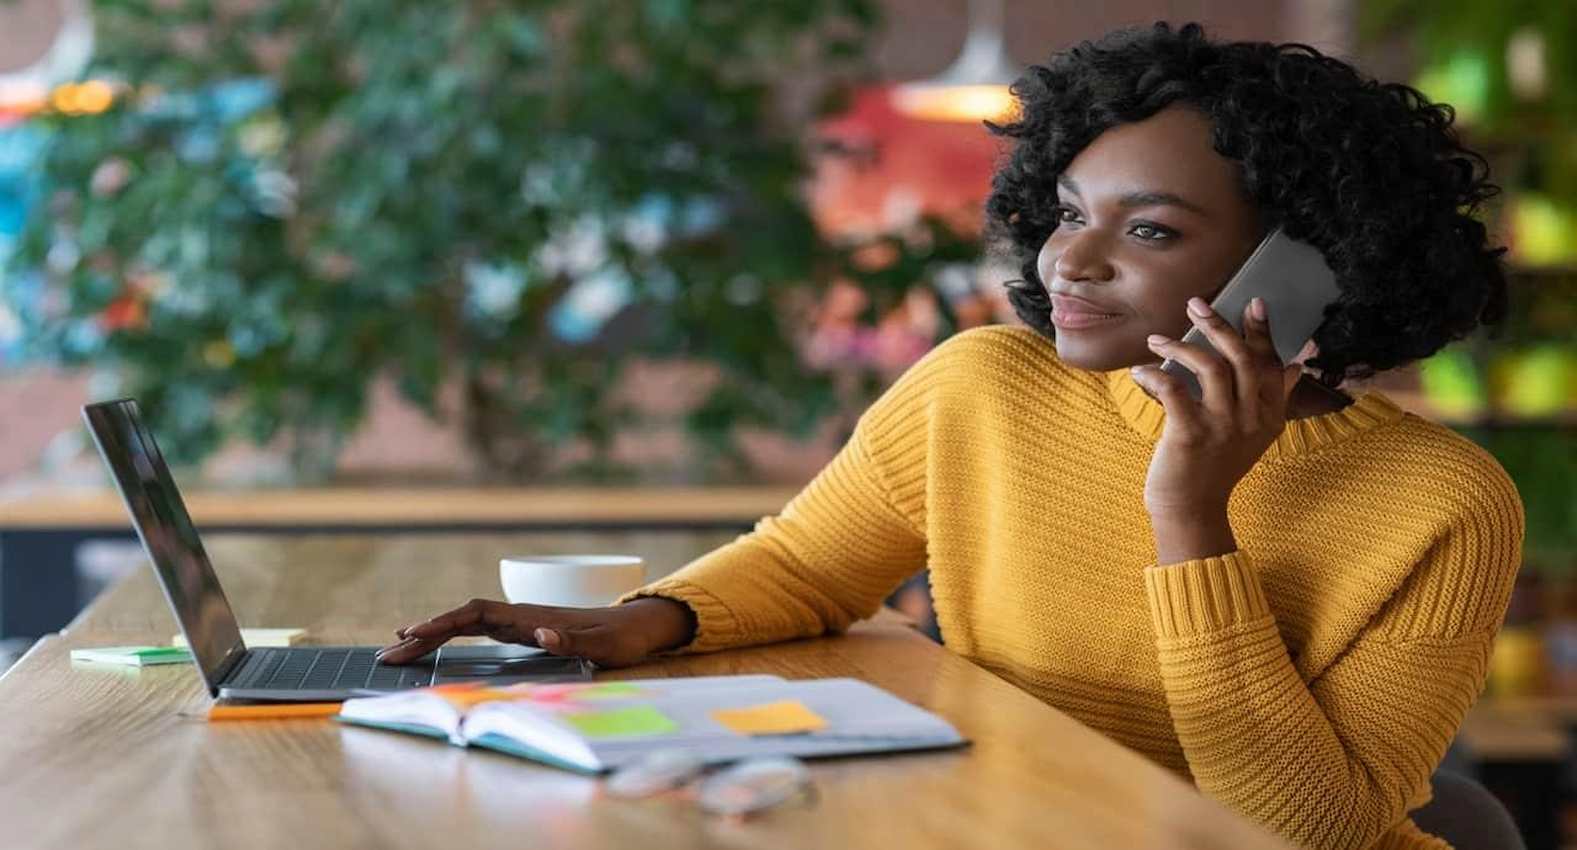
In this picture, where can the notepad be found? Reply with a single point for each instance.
(595, 727)
(259, 637)
(272, 711)
(134, 656)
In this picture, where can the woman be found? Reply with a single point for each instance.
(1283, 592)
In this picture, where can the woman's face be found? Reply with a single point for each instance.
(1150, 216)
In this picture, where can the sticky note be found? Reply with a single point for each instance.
(621, 722)
(607, 690)
(135, 656)
(586, 692)
(785, 717)
(259, 637)
(272, 711)
(463, 699)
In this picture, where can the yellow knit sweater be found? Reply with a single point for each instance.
(1312, 680)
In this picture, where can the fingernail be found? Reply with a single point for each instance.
(1156, 339)
(1198, 307)
(1257, 307)
(399, 644)
(546, 636)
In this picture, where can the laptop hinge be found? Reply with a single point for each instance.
(228, 666)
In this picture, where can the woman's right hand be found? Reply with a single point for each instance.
(614, 636)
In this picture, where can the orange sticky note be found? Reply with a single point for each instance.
(785, 717)
(272, 711)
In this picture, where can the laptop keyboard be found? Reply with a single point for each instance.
(308, 668)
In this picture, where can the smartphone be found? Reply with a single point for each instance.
(1296, 284)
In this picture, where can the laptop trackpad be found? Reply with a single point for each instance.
(507, 663)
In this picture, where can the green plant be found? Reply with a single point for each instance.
(1507, 69)
(288, 199)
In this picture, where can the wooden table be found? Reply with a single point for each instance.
(40, 530)
(123, 759)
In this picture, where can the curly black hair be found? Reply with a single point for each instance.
(1373, 174)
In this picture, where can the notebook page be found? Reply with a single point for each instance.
(859, 718)
(406, 709)
(541, 718)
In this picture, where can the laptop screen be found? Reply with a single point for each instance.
(168, 535)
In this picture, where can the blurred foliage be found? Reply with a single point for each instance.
(1510, 71)
(1540, 460)
(289, 199)
(1480, 57)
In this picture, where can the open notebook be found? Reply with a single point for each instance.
(598, 726)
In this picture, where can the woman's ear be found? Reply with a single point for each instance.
(1294, 368)
(1308, 352)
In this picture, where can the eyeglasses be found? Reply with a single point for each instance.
(744, 788)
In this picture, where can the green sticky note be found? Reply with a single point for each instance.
(136, 656)
(622, 722)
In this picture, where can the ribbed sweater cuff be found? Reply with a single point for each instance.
(1204, 595)
(716, 626)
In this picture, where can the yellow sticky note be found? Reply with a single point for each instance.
(259, 637)
(784, 717)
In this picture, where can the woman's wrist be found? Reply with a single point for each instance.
(1189, 535)
(665, 623)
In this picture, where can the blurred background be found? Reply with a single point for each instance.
(378, 244)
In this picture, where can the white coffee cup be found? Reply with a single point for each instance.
(576, 581)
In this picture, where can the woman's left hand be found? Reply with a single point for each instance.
(1208, 445)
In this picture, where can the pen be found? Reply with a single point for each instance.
(273, 711)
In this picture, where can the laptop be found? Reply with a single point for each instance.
(228, 667)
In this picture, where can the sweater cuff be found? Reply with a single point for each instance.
(716, 627)
(1204, 595)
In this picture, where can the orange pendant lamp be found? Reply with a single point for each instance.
(975, 87)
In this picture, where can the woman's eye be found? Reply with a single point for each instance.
(1151, 232)
(1064, 215)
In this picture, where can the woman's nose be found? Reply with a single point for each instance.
(1080, 256)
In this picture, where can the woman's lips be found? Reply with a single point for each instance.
(1075, 313)
(1075, 321)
